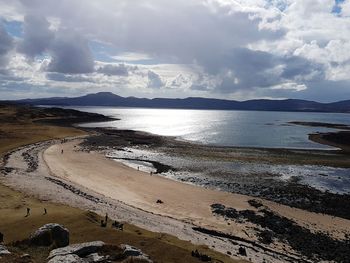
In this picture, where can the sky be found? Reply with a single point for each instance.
(232, 49)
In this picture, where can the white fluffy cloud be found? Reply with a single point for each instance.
(236, 48)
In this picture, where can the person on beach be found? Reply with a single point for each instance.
(28, 212)
(62, 151)
(45, 211)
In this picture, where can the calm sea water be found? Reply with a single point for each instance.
(224, 128)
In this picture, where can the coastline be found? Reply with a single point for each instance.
(42, 171)
(180, 214)
(24, 182)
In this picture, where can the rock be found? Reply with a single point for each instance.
(242, 251)
(129, 251)
(81, 250)
(95, 258)
(4, 251)
(50, 234)
(71, 258)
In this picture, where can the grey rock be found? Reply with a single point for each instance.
(130, 251)
(95, 258)
(81, 250)
(50, 234)
(4, 251)
(71, 258)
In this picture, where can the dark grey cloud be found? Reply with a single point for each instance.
(116, 70)
(71, 54)
(299, 66)
(154, 80)
(246, 69)
(69, 50)
(6, 45)
(37, 36)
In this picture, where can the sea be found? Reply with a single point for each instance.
(223, 128)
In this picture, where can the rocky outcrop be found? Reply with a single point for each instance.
(81, 250)
(96, 252)
(50, 234)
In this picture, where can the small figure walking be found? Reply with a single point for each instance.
(62, 151)
(28, 212)
(45, 211)
(106, 218)
(151, 173)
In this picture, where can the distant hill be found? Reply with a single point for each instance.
(110, 99)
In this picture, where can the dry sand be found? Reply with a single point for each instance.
(182, 201)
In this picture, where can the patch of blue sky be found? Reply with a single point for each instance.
(13, 28)
(102, 51)
(337, 6)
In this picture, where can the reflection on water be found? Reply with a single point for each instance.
(224, 128)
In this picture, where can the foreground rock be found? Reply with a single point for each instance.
(81, 250)
(50, 234)
(97, 251)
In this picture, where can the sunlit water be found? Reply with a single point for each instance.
(224, 128)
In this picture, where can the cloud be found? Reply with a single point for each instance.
(37, 36)
(71, 54)
(6, 45)
(132, 57)
(255, 48)
(67, 77)
(154, 80)
(116, 70)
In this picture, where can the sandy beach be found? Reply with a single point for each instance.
(182, 201)
(89, 180)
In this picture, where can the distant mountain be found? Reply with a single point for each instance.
(110, 99)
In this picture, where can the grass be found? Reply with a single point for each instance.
(16, 131)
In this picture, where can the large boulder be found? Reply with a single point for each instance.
(50, 234)
(95, 252)
(80, 250)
